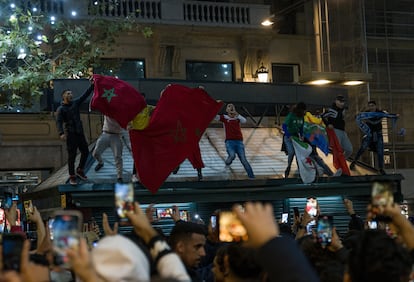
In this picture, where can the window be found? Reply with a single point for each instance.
(125, 69)
(285, 73)
(209, 71)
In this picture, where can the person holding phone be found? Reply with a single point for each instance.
(279, 256)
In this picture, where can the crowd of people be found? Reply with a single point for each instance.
(333, 119)
(273, 251)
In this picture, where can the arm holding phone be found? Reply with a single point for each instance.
(403, 225)
(280, 257)
(34, 216)
(168, 264)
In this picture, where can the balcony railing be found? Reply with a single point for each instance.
(180, 12)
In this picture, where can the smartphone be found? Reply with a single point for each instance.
(50, 225)
(296, 212)
(165, 213)
(8, 200)
(213, 221)
(312, 210)
(230, 228)
(12, 250)
(312, 206)
(66, 227)
(285, 217)
(381, 196)
(28, 208)
(324, 229)
(372, 224)
(184, 215)
(124, 201)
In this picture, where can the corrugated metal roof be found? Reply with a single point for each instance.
(263, 151)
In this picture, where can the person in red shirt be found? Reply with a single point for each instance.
(234, 137)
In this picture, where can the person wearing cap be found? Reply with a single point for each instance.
(370, 123)
(334, 118)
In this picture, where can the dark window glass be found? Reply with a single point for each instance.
(126, 69)
(285, 73)
(209, 71)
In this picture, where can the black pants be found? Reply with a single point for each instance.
(73, 142)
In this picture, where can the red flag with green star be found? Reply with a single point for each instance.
(116, 99)
(175, 128)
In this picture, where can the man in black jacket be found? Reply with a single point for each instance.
(335, 118)
(70, 128)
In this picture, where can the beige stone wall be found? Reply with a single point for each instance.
(30, 141)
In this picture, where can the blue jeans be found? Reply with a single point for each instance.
(234, 147)
(376, 138)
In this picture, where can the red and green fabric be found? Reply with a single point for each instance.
(306, 166)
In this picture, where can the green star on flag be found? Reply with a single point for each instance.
(109, 94)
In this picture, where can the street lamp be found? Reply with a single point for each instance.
(262, 73)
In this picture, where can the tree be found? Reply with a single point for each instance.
(36, 47)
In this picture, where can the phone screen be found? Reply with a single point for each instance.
(213, 221)
(382, 194)
(28, 208)
(230, 228)
(372, 224)
(12, 249)
(285, 217)
(8, 200)
(312, 210)
(324, 229)
(124, 201)
(184, 215)
(312, 206)
(165, 213)
(66, 234)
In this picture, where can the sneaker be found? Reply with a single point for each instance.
(72, 180)
(119, 180)
(382, 171)
(252, 177)
(352, 165)
(99, 166)
(134, 178)
(81, 174)
(338, 173)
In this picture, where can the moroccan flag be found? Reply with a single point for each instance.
(337, 152)
(180, 118)
(116, 98)
(307, 169)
